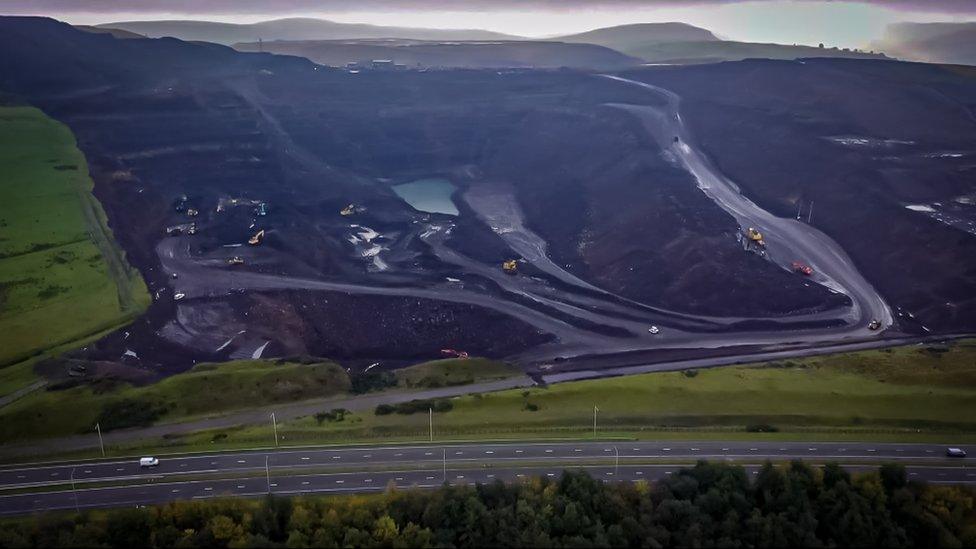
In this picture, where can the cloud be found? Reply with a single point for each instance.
(285, 7)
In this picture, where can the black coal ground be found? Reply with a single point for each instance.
(308, 142)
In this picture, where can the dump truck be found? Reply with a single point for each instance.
(755, 236)
(236, 260)
(510, 266)
(257, 238)
(802, 268)
(454, 354)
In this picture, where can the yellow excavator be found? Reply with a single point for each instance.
(755, 236)
(510, 266)
(257, 238)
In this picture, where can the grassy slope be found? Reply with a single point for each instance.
(214, 388)
(449, 372)
(908, 393)
(61, 276)
(902, 394)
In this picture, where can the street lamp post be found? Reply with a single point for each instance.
(274, 423)
(74, 493)
(101, 444)
(595, 410)
(430, 422)
(616, 462)
(267, 471)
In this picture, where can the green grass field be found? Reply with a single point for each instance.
(453, 371)
(914, 393)
(62, 277)
(215, 388)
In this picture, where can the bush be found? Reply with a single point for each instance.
(690, 373)
(129, 412)
(415, 406)
(333, 415)
(372, 381)
(761, 428)
(530, 407)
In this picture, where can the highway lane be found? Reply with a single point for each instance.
(456, 455)
(151, 491)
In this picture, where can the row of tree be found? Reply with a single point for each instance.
(706, 505)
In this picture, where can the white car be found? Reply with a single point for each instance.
(148, 462)
(955, 452)
(654, 330)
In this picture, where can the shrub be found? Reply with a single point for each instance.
(372, 381)
(129, 412)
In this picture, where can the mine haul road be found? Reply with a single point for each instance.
(334, 470)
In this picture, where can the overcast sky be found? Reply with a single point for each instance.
(842, 23)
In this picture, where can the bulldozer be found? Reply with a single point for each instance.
(257, 238)
(510, 266)
(236, 260)
(755, 236)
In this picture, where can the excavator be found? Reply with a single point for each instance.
(510, 266)
(257, 238)
(236, 260)
(755, 237)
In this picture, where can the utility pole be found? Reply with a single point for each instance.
(810, 213)
(430, 421)
(274, 423)
(595, 410)
(101, 444)
(444, 463)
(74, 493)
(616, 462)
(267, 471)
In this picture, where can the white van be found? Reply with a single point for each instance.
(148, 462)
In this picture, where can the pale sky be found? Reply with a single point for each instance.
(836, 23)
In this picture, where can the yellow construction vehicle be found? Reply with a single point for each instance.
(348, 210)
(257, 238)
(236, 260)
(755, 236)
(510, 266)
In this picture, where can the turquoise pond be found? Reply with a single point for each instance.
(428, 195)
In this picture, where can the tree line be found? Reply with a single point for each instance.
(709, 504)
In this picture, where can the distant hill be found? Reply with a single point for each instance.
(55, 56)
(118, 33)
(684, 44)
(292, 29)
(722, 50)
(627, 38)
(931, 42)
(494, 54)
